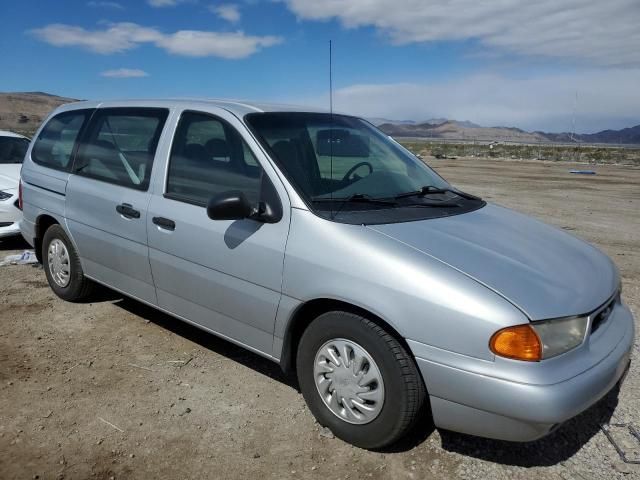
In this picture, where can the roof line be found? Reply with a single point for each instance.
(246, 105)
(218, 100)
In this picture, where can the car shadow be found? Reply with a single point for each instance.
(15, 242)
(550, 450)
(422, 429)
(239, 231)
(204, 339)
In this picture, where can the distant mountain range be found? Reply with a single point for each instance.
(629, 135)
(23, 112)
(469, 131)
(454, 130)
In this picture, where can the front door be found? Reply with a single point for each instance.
(222, 275)
(108, 195)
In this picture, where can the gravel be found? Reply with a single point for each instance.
(113, 389)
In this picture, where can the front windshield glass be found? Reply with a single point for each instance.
(347, 170)
(339, 156)
(13, 149)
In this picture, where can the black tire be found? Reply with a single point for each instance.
(405, 392)
(79, 287)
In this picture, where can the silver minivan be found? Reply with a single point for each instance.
(318, 242)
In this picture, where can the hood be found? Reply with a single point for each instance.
(9, 176)
(544, 271)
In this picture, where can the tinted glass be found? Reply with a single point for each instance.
(337, 156)
(54, 145)
(13, 149)
(349, 171)
(120, 145)
(209, 157)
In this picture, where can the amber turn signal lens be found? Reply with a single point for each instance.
(520, 343)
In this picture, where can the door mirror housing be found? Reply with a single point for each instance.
(231, 205)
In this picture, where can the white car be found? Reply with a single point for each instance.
(12, 150)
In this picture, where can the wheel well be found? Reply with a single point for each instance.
(311, 310)
(43, 222)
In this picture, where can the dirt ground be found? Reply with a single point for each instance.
(113, 389)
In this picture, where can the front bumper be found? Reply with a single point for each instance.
(493, 401)
(10, 215)
(10, 230)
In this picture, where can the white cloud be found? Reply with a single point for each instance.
(163, 3)
(168, 3)
(124, 73)
(193, 43)
(110, 5)
(229, 12)
(120, 37)
(607, 98)
(592, 31)
(117, 38)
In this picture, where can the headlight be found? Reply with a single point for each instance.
(5, 195)
(537, 341)
(559, 336)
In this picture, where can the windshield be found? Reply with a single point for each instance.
(347, 170)
(338, 156)
(13, 149)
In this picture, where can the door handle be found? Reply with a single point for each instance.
(126, 210)
(164, 223)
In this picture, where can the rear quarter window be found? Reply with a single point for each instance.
(55, 144)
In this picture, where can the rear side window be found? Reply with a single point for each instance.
(208, 157)
(54, 146)
(120, 144)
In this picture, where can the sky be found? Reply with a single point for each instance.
(537, 65)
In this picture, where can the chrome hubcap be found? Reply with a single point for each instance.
(59, 265)
(349, 381)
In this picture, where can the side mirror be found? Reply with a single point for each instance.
(231, 205)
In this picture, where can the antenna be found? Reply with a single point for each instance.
(330, 80)
(331, 122)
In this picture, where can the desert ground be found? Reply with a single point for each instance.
(113, 389)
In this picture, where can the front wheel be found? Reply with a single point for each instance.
(358, 380)
(62, 266)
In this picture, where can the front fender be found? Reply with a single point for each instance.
(422, 298)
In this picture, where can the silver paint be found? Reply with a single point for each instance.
(444, 285)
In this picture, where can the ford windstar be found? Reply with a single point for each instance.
(318, 242)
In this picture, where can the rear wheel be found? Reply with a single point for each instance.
(358, 380)
(62, 266)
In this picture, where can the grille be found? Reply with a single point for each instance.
(602, 316)
(6, 224)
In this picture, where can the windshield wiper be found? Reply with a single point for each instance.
(355, 198)
(431, 190)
